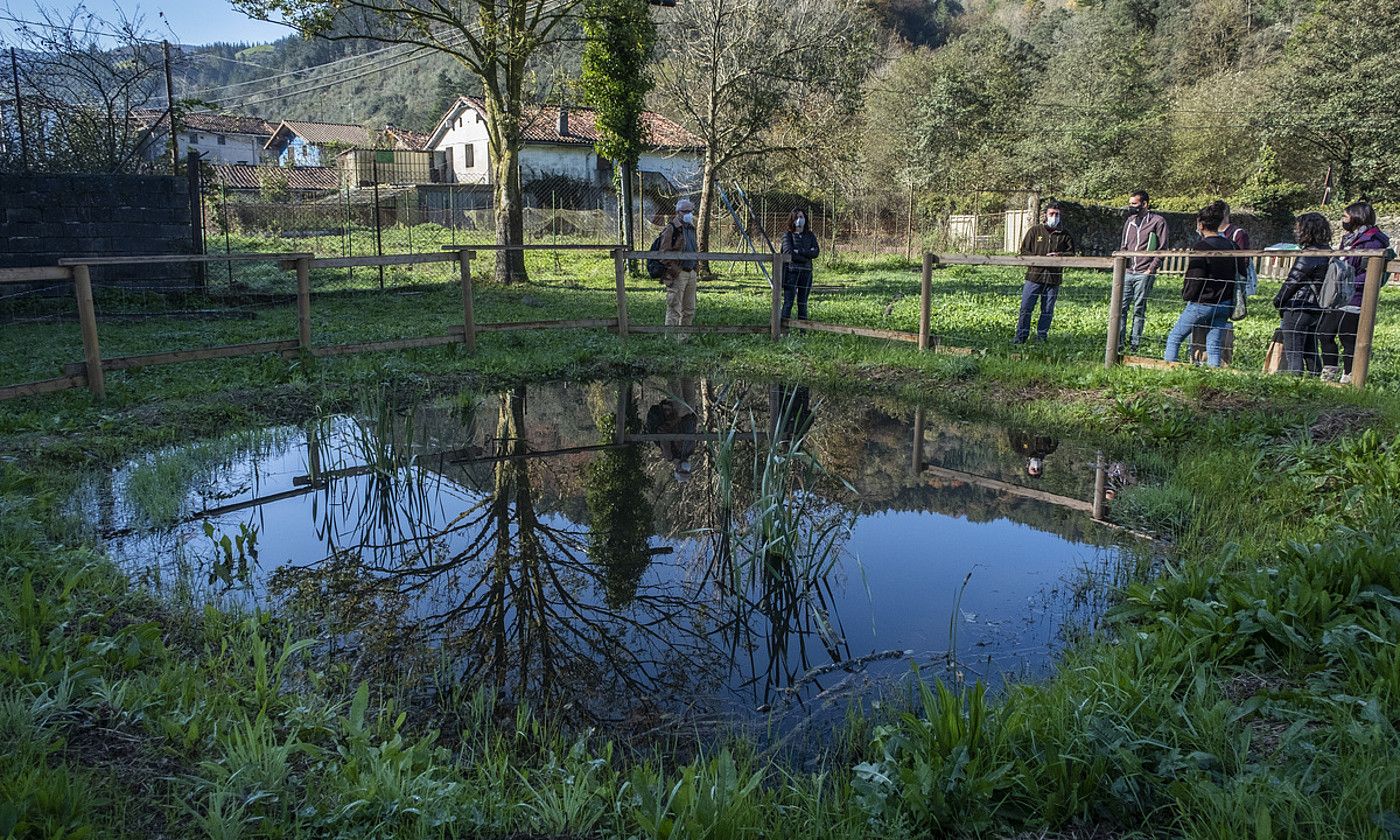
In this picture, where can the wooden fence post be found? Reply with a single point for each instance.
(620, 270)
(1366, 324)
(1115, 306)
(925, 301)
(775, 319)
(464, 262)
(87, 318)
(303, 267)
(1100, 482)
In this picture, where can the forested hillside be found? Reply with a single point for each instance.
(1272, 102)
(1258, 99)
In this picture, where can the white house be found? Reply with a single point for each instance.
(559, 142)
(219, 138)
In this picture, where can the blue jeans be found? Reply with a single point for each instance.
(1213, 315)
(1136, 288)
(1031, 292)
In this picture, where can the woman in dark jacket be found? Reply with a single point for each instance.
(1209, 288)
(799, 241)
(1297, 299)
(1359, 222)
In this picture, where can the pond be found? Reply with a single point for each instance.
(685, 549)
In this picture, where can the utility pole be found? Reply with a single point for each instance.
(170, 111)
(19, 112)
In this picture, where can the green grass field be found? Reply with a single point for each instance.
(1253, 690)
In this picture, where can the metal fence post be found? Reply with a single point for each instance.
(464, 261)
(1115, 306)
(925, 301)
(378, 220)
(303, 267)
(620, 270)
(775, 321)
(1366, 324)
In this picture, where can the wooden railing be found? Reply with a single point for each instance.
(90, 372)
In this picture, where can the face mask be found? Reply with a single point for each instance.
(688, 218)
(1133, 211)
(1349, 225)
(1052, 221)
(799, 222)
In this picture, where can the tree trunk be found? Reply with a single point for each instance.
(627, 217)
(706, 209)
(508, 214)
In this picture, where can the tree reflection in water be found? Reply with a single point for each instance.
(566, 616)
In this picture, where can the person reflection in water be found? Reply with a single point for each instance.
(675, 415)
(791, 407)
(1035, 449)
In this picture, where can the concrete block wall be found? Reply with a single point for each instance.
(44, 218)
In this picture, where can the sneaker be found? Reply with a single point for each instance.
(1346, 379)
(1331, 373)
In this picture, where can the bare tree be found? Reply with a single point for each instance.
(492, 39)
(82, 78)
(736, 70)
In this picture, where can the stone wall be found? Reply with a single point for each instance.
(1099, 230)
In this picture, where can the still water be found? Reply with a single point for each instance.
(687, 548)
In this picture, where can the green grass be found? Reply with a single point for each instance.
(1251, 691)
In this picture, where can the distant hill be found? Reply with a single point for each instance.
(358, 81)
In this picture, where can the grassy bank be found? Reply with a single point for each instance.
(1252, 692)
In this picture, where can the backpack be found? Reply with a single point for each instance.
(655, 268)
(1338, 286)
(1249, 280)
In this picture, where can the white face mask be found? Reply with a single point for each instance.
(799, 222)
(1052, 221)
(688, 218)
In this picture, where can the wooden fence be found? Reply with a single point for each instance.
(90, 372)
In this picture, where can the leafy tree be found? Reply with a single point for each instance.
(621, 38)
(494, 40)
(1267, 191)
(79, 89)
(921, 23)
(735, 69)
(1334, 94)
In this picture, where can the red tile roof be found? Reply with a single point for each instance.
(540, 124)
(246, 176)
(208, 121)
(315, 133)
(414, 141)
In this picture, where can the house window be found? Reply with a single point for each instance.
(194, 138)
(469, 155)
(222, 139)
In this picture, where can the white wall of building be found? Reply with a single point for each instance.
(467, 131)
(235, 148)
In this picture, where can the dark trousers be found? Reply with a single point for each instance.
(1030, 293)
(1300, 342)
(797, 283)
(1337, 324)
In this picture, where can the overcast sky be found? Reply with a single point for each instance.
(189, 21)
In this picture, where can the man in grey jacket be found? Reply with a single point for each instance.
(1143, 231)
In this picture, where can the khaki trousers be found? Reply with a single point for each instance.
(680, 298)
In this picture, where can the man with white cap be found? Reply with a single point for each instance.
(681, 274)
